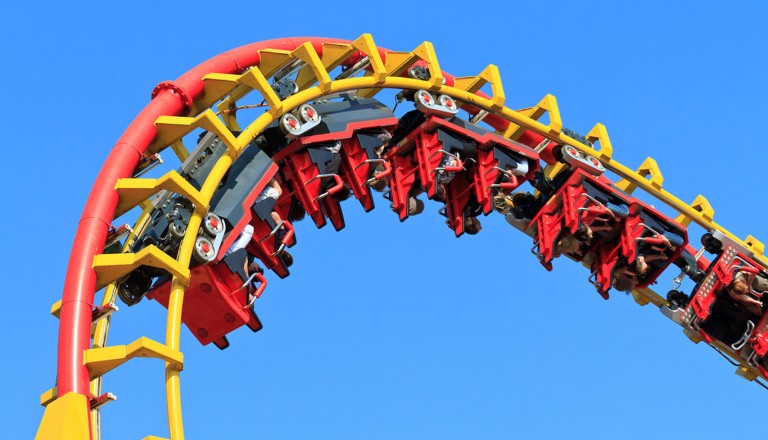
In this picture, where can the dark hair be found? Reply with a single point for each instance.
(582, 233)
(286, 257)
(254, 267)
(472, 225)
(379, 184)
(623, 284)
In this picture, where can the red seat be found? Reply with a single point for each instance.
(215, 302)
(358, 164)
(575, 203)
(401, 180)
(265, 245)
(305, 177)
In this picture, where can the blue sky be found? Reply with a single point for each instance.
(388, 330)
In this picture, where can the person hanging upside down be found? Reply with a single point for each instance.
(650, 253)
(739, 290)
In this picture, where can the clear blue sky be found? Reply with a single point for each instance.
(390, 330)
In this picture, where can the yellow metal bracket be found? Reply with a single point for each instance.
(647, 296)
(256, 80)
(111, 267)
(181, 151)
(226, 105)
(208, 121)
(367, 47)
(754, 245)
(701, 205)
(547, 105)
(170, 130)
(649, 169)
(135, 190)
(426, 52)
(489, 75)
(49, 396)
(747, 373)
(334, 54)
(396, 63)
(216, 87)
(272, 60)
(103, 360)
(599, 134)
(56, 309)
(65, 418)
(313, 70)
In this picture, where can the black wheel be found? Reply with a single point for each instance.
(711, 244)
(677, 299)
(132, 290)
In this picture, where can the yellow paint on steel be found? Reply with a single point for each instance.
(102, 360)
(134, 190)
(489, 75)
(599, 135)
(111, 267)
(648, 169)
(65, 418)
(48, 396)
(101, 330)
(56, 309)
(307, 53)
(547, 106)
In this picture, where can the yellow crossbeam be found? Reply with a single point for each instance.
(103, 360)
(135, 190)
(313, 70)
(217, 86)
(256, 80)
(489, 75)
(701, 205)
(49, 396)
(599, 135)
(56, 309)
(547, 105)
(650, 169)
(272, 60)
(111, 267)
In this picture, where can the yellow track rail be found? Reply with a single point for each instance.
(315, 82)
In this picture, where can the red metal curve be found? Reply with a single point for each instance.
(80, 281)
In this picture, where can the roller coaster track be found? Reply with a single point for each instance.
(179, 107)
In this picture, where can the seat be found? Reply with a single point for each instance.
(358, 165)
(643, 228)
(216, 302)
(267, 242)
(305, 170)
(580, 200)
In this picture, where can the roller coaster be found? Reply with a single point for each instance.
(278, 132)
